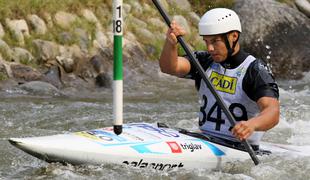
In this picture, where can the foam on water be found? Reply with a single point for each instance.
(157, 102)
(301, 133)
(295, 112)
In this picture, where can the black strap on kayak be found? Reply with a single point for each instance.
(207, 81)
(225, 142)
(217, 140)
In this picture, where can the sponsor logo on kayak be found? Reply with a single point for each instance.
(192, 147)
(147, 135)
(164, 132)
(108, 128)
(175, 148)
(101, 135)
(132, 136)
(92, 136)
(224, 83)
(157, 166)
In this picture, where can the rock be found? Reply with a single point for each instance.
(103, 80)
(64, 52)
(85, 70)
(136, 65)
(110, 37)
(40, 88)
(2, 33)
(64, 19)
(84, 40)
(183, 22)
(25, 73)
(181, 4)
(37, 24)
(303, 6)
(76, 52)
(6, 68)
(130, 36)
(48, 19)
(144, 35)
(6, 51)
(158, 23)
(126, 9)
(68, 56)
(79, 83)
(19, 29)
(138, 23)
(276, 33)
(137, 10)
(53, 76)
(104, 12)
(89, 16)
(22, 56)
(46, 50)
(97, 63)
(164, 4)
(194, 18)
(65, 38)
(148, 8)
(101, 39)
(101, 66)
(67, 63)
(3, 71)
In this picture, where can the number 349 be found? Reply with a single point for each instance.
(218, 119)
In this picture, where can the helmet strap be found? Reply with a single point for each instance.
(230, 50)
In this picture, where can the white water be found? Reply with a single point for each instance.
(162, 99)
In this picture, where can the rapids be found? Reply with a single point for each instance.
(160, 98)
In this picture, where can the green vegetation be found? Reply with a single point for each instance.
(5, 54)
(21, 8)
(3, 76)
(9, 39)
(286, 1)
(200, 7)
(289, 2)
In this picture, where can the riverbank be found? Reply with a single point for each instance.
(69, 45)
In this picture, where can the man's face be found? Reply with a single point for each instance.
(216, 47)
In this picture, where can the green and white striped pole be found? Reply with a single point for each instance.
(118, 67)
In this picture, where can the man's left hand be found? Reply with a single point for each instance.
(243, 130)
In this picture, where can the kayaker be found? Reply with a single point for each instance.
(245, 83)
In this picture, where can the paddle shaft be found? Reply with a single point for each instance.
(207, 81)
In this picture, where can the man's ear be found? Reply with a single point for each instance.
(235, 35)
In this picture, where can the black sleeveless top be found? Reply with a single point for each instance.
(258, 81)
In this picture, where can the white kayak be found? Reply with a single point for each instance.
(143, 145)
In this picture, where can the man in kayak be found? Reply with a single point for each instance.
(245, 83)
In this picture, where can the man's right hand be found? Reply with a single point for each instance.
(174, 31)
(169, 61)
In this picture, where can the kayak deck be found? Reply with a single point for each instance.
(140, 145)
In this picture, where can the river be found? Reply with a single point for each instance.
(160, 98)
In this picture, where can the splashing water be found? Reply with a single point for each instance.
(171, 101)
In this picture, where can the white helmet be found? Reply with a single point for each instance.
(219, 21)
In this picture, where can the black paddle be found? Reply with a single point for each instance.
(207, 81)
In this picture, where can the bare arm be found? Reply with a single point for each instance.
(169, 61)
(267, 119)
